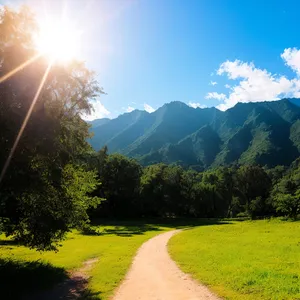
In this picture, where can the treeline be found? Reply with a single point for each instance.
(163, 190)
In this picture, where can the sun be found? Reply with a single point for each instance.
(58, 40)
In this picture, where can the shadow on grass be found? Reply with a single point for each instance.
(18, 278)
(71, 289)
(9, 243)
(130, 230)
(120, 229)
(89, 295)
(127, 228)
(37, 280)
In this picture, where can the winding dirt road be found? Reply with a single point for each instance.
(154, 276)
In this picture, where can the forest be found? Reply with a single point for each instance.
(161, 190)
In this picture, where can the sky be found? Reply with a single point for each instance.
(201, 52)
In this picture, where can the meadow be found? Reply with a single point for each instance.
(24, 271)
(237, 260)
(243, 260)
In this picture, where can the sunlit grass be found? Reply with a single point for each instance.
(115, 247)
(243, 260)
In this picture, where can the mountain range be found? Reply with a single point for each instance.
(265, 133)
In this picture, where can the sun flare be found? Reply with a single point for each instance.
(58, 41)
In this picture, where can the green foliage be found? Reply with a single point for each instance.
(78, 184)
(162, 190)
(276, 173)
(254, 187)
(288, 204)
(152, 190)
(120, 178)
(287, 194)
(44, 191)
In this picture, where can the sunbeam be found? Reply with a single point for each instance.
(19, 68)
(13, 149)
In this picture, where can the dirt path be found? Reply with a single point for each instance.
(72, 288)
(154, 276)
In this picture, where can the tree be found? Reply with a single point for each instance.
(152, 191)
(39, 200)
(205, 200)
(120, 178)
(286, 194)
(226, 186)
(253, 185)
(188, 180)
(173, 184)
(288, 204)
(276, 173)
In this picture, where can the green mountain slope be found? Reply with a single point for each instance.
(98, 122)
(119, 132)
(171, 123)
(198, 149)
(263, 132)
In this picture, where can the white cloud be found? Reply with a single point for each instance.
(99, 111)
(213, 83)
(291, 56)
(130, 109)
(214, 95)
(255, 84)
(227, 86)
(148, 108)
(197, 105)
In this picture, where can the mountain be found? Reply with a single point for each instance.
(98, 122)
(267, 133)
(295, 101)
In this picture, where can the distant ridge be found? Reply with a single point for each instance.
(267, 133)
(98, 122)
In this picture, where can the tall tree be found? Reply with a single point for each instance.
(152, 190)
(254, 186)
(120, 178)
(41, 144)
(226, 185)
(286, 194)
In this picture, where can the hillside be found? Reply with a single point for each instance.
(266, 133)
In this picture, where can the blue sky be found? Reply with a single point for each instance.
(201, 52)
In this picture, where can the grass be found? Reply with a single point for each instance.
(23, 271)
(243, 260)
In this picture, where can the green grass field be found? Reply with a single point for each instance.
(243, 260)
(23, 271)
